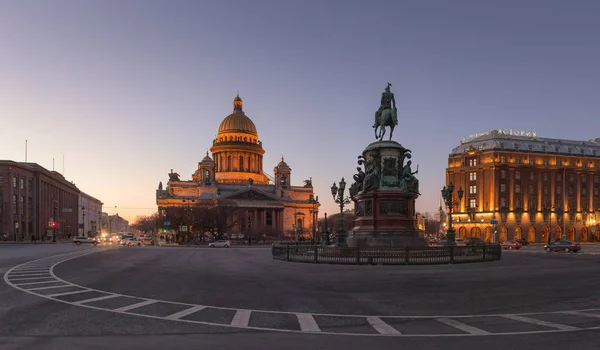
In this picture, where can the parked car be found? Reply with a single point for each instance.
(457, 241)
(510, 245)
(562, 246)
(131, 242)
(523, 241)
(79, 240)
(220, 244)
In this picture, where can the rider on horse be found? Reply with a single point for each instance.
(387, 98)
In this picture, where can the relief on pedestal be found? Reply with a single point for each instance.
(389, 207)
(390, 172)
(364, 208)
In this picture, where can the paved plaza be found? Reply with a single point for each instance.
(67, 297)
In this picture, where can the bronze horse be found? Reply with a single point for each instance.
(388, 117)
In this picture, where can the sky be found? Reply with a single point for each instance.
(127, 90)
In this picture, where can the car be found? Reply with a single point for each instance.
(131, 242)
(457, 242)
(220, 244)
(510, 245)
(522, 241)
(79, 240)
(563, 246)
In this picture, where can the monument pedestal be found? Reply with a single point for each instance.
(385, 204)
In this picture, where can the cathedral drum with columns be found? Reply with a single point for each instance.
(233, 178)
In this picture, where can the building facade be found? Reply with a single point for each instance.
(234, 178)
(113, 224)
(90, 214)
(518, 185)
(36, 202)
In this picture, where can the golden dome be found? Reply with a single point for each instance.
(237, 121)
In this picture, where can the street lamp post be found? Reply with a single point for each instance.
(326, 231)
(448, 196)
(83, 225)
(338, 197)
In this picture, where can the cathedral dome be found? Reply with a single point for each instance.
(237, 122)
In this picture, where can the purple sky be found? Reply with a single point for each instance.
(127, 90)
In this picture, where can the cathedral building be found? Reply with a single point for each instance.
(234, 178)
(518, 185)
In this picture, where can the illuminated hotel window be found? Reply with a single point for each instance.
(545, 176)
(472, 203)
(531, 189)
(503, 202)
(596, 178)
(472, 176)
(531, 176)
(502, 187)
(545, 189)
(503, 174)
(472, 189)
(517, 175)
(558, 189)
(517, 188)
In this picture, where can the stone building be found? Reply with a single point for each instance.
(113, 224)
(90, 214)
(35, 201)
(234, 178)
(518, 185)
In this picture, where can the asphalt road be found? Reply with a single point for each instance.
(156, 298)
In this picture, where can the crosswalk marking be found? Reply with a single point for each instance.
(30, 278)
(67, 293)
(579, 313)
(307, 323)
(135, 306)
(41, 282)
(96, 299)
(381, 327)
(562, 327)
(241, 318)
(463, 327)
(50, 287)
(186, 312)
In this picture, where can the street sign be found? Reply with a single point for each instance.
(183, 228)
(494, 222)
(67, 210)
(167, 223)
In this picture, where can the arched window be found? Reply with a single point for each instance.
(248, 165)
(584, 234)
(518, 232)
(462, 232)
(241, 163)
(228, 163)
(299, 223)
(531, 235)
(476, 232)
(207, 176)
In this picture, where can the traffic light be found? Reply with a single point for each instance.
(53, 223)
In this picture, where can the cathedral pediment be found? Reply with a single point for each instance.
(252, 194)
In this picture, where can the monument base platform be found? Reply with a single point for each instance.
(383, 239)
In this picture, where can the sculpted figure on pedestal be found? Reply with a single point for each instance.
(408, 181)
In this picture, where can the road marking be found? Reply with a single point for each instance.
(32, 269)
(29, 278)
(186, 312)
(307, 323)
(562, 327)
(49, 287)
(136, 305)
(380, 326)
(463, 327)
(579, 313)
(96, 299)
(67, 293)
(42, 282)
(28, 274)
(241, 318)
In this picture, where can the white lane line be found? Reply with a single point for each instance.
(381, 327)
(241, 318)
(307, 323)
(41, 282)
(562, 327)
(29, 278)
(135, 306)
(28, 274)
(186, 312)
(32, 269)
(91, 300)
(66, 293)
(579, 313)
(463, 327)
(49, 287)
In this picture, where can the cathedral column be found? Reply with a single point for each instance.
(254, 223)
(264, 217)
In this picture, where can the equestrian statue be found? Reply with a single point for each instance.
(386, 115)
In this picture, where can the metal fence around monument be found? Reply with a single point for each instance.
(386, 255)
